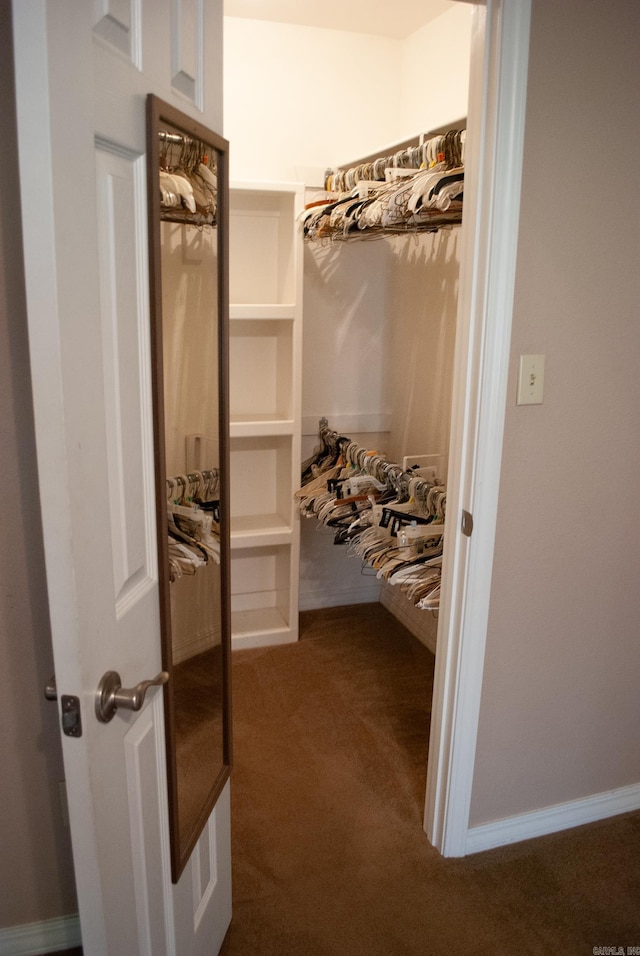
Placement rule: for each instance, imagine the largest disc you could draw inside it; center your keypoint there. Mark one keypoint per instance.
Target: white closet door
(82, 72)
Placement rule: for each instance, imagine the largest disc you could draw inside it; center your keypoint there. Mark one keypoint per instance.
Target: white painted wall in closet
(380, 321)
(380, 317)
(300, 98)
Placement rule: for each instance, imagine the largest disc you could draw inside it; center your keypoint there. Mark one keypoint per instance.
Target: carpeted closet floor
(329, 856)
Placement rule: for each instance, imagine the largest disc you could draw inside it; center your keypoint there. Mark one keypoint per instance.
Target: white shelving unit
(265, 343)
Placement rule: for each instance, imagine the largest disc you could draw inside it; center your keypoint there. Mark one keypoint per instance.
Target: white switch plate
(530, 380)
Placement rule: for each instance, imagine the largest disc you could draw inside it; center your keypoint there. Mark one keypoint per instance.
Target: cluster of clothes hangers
(415, 565)
(392, 519)
(188, 181)
(447, 148)
(417, 189)
(193, 516)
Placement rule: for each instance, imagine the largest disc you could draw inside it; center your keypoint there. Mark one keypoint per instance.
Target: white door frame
(498, 84)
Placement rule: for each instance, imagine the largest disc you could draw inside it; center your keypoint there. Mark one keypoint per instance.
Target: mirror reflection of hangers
(188, 258)
(188, 185)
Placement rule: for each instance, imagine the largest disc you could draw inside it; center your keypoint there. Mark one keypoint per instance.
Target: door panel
(186, 46)
(203, 895)
(126, 360)
(81, 83)
(118, 23)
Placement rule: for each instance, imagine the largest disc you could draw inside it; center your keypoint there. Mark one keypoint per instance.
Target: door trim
(495, 139)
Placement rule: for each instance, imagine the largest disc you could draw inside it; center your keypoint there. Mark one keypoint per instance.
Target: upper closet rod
(170, 137)
(197, 484)
(444, 145)
(177, 139)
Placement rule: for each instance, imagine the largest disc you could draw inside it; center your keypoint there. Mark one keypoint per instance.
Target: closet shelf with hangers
(418, 188)
(392, 519)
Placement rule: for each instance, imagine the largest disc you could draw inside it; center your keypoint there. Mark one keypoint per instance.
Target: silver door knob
(111, 694)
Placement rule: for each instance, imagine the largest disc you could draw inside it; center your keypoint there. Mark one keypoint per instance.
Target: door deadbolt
(71, 720)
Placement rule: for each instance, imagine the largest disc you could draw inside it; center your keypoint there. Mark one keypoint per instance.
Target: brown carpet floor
(327, 798)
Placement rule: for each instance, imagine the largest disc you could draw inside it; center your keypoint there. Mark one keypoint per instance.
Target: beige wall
(36, 873)
(330, 96)
(435, 71)
(379, 335)
(560, 706)
(304, 109)
(422, 308)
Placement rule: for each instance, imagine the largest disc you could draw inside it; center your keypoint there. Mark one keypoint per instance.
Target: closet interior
(341, 335)
(371, 261)
(368, 368)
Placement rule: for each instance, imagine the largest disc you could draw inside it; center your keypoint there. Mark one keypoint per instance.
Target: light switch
(530, 380)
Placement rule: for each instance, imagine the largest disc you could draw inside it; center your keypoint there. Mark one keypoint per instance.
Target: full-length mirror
(188, 240)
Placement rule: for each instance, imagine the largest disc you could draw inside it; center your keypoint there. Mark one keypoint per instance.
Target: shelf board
(268, 311)
(256, 531)
(260, 627)
(258, 426)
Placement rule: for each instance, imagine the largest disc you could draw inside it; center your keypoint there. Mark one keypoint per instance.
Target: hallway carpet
(330, 859)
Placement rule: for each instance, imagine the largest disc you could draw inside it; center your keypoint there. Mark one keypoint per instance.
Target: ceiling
(397, 19)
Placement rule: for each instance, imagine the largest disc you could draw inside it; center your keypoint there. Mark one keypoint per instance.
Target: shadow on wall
(379, 334)
(424, 293)
(346, 333)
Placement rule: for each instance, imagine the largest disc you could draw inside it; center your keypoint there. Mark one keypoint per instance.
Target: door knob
(110, 694)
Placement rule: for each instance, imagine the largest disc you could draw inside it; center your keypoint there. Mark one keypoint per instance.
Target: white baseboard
(562, 816)
(339, 597)
(47, 936)
(246, 642)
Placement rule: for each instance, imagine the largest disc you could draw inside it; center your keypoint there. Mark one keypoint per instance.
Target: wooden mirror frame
(159, 114)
